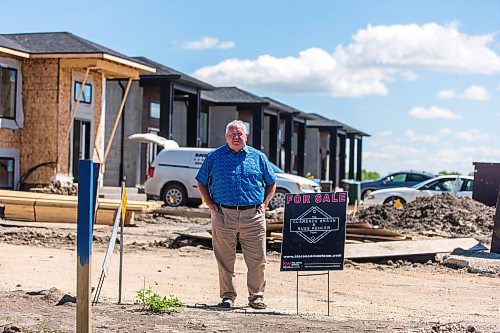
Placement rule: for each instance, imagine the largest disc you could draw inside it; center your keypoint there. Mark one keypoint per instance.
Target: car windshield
(418, 185)
(276, 169)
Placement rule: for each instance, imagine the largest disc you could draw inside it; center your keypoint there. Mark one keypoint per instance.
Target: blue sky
(421, 77)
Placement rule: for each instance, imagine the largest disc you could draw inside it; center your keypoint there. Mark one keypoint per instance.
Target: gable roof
(321, 121)
(165, 72)
(274, 104)
(231, 95)
(62, 43)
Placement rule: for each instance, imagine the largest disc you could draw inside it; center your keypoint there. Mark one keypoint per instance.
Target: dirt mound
(441, 215)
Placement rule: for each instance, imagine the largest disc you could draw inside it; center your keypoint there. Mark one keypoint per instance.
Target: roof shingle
(233, 95)
(162, 70)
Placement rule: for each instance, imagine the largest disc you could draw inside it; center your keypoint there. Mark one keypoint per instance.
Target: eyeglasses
(235, 135)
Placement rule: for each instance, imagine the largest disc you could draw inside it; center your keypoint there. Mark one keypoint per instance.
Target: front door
(81, 144)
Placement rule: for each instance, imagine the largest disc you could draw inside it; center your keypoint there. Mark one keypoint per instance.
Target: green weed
(151, 301)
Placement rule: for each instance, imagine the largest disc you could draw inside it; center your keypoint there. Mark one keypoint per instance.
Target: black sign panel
(495, 238)
(314, 232)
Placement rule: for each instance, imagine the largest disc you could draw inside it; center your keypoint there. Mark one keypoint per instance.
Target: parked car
(288, 183)
(396, 179)
(171, 177)
(455, 184)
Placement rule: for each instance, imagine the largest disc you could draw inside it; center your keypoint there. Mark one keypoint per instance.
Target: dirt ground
(40, 259)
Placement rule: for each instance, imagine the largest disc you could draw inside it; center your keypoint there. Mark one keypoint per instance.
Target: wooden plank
(56, 215)
(18, 194)
(182, 211)
(375, 238)
(277, 235)
(56, 200)
(407, 248)
(274, 226)
(69, 215)
(363, 226)
(19, 212)
(373, 232)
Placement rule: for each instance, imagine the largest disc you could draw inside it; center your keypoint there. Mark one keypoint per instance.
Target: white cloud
(432, 113)
(446, 94)
(207, 42)
(364, 67)
(313, 71)
(226, 45)
(476, 93)
(472, 135)
(429, 46)
(409, 76)
(386, 133)
(445, 131)
(413, 136)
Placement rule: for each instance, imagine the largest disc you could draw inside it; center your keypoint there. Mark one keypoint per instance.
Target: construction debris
(39, 207)
(442, 215)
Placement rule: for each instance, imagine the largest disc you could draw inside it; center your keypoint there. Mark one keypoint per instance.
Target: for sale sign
(314, 232)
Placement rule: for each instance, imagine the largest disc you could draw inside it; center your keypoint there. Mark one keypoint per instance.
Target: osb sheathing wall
(38, 137)
(47, 102)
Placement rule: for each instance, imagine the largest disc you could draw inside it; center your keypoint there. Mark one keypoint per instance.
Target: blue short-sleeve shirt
(236, 179)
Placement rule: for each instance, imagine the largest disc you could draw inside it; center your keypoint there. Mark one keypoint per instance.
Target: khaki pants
(249, 226)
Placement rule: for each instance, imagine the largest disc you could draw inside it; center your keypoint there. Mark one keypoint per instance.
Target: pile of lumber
(39, 207)
(355, 233)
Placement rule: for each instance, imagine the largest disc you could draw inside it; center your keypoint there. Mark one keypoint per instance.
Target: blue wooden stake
(86, 212)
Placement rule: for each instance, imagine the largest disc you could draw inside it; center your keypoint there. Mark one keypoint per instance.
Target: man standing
(237, 182)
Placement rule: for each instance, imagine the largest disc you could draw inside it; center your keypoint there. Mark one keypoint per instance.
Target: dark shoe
(226, 303)
(257, 303)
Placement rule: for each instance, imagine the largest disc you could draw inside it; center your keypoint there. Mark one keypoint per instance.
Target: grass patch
(153, 302)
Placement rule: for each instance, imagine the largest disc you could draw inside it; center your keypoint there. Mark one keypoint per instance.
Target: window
(6, 173)
(467, 185)
(8, 84)
(87, 92)
(443, 185)
(154, 110)
(396, 178)
(413, 177)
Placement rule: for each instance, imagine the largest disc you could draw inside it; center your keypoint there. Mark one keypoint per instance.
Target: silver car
(454, 184)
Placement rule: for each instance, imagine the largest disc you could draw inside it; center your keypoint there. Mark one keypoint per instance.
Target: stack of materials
(39, 207)
(355, 233)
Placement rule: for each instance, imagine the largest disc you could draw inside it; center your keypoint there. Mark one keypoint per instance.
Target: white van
(171, 177)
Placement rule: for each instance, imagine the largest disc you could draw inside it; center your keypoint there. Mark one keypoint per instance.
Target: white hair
(238, 124)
